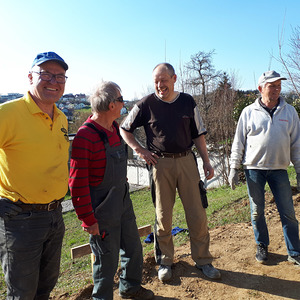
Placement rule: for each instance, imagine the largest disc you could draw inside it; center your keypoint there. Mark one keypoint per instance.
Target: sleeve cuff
(87, 222)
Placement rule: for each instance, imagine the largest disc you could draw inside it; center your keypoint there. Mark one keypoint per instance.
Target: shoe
(294, 259)
(261, 253)
(164, 273)
(209, 271)
(141, 294)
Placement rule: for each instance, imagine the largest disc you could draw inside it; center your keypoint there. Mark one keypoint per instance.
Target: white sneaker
(164, 273)
(209, 271)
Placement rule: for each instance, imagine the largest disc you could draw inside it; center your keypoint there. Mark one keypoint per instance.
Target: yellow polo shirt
(33, 152)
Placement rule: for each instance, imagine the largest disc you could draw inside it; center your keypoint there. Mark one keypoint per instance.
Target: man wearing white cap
(267, 139)
(33, 181)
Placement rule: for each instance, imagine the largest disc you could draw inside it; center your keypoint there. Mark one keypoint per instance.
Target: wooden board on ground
(85, 249)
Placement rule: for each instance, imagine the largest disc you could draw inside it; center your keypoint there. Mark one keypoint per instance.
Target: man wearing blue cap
(267, 139)
(33, 181)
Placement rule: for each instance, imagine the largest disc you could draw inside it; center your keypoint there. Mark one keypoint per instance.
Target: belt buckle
(52, 205)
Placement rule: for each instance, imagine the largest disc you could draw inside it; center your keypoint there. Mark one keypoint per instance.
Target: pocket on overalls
(100, 244)
(103, 210)
(119, 156)
(109, 211)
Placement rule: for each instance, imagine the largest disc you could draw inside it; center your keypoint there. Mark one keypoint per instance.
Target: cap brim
(275, 79)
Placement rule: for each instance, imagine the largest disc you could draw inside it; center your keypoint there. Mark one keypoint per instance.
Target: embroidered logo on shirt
(282, 120)
(64, 130)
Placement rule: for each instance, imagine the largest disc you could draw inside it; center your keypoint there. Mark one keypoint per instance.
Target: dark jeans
(30, 250)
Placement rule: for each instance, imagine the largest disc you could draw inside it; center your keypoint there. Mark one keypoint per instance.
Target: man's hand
(208, 170)
(147, 156)
(93, 229)
(298, 182)
(8, 209)
(233, 178)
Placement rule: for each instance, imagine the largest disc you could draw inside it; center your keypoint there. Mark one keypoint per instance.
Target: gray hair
(104, 94)
(168, 67)
(262, 85)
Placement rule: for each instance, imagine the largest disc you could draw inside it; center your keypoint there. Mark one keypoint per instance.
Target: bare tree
(216, 97)
(79, 118)
(201, 79)
(291, 61)
(221, 124)
(181, 79)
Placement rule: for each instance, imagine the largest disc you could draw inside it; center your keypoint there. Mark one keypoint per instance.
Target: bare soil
(233, 248)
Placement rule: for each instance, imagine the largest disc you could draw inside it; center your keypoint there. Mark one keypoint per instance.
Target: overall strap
(102, 134)
(121, 139)
(118, 130)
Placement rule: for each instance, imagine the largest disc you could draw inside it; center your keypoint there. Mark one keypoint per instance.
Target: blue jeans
(30, 250)
(280, 186)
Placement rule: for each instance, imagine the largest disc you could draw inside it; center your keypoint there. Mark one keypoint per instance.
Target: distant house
(79, 106)
(81, 98)
(124, 111)
(10, 96)
(68, 98)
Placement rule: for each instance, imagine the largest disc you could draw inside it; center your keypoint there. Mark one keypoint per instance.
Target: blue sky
(123, 40)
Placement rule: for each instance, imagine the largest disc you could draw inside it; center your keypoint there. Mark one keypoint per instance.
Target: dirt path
(234, 248)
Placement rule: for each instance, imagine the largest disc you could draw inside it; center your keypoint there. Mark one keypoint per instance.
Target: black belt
(40, 207)
(173, 155)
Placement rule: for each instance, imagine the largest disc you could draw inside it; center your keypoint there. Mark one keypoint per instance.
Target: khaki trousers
(167, 175)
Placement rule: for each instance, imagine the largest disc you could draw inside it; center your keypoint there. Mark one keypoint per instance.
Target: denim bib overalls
(118, 230)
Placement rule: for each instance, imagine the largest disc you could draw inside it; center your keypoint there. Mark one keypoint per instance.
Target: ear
(111, 106)
(175, 78)
(30, 78)
(259, 88)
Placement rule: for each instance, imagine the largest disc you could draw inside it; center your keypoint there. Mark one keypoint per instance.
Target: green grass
(225, 206)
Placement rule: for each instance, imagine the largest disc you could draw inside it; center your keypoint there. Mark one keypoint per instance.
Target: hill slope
(234, 248)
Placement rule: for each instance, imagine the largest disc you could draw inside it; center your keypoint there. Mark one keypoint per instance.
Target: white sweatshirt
(265, 142)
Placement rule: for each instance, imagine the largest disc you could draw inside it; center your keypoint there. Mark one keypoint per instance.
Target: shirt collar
(34, 109)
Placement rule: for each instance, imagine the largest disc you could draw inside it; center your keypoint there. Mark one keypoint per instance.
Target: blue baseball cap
(47, 56)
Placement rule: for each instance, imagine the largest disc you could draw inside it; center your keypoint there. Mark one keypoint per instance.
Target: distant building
(10, 96)
(79, 106)
(124, 111)
(68, 98)
(82, 98)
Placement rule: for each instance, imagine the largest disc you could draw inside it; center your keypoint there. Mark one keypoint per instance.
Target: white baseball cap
(269, 76)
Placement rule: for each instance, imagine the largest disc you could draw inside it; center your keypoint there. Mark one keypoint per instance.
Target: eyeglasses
(48, 77)
(120, 99)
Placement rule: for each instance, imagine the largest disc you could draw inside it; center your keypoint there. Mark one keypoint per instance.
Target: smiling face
(164, 83)
(46, 92)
